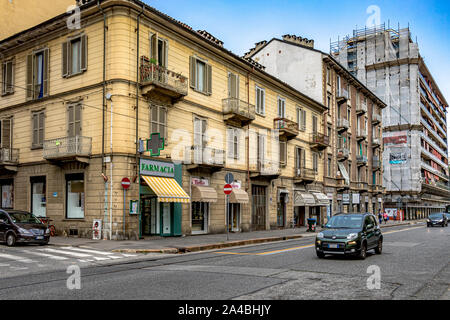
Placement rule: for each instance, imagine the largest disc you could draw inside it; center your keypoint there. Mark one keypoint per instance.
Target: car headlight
(47, 231)
(25, 232)
(441, 220)
(320, 235)
(352, 236)
(428, 220)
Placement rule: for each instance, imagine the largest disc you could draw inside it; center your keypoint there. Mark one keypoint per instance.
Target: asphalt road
(414, 265)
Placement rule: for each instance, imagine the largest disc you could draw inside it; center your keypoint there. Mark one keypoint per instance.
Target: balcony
(287, 128)
(427, 154)
(159, 81)
(376, 118)
(342, 124)
(376, 163)
(319, 141)
(237, 112)
(361, 134)
(376, 142)
(304, 175)
(343, 153)
(342, 184)
(361, 160)
(433, 132)
(68, 149)
(361, 108)
(9, 159)
(265, 169)
(341, 96)
(204, 158)
(363, 186)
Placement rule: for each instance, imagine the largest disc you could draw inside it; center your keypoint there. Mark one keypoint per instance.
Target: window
(329, 133)
(338, 85)
(283, 153)
(315, 162)
(329, 103)
(158, 121)
(329, 166)
(300, 159)
(328, 76)
(74, 56)
(38, 129)
(7, 77)
(233, 138)
(159, 49)
(260, 101)
(37, 74)
(201, 76)
(7, 190)
(281, 107)
(350, 171)
(6, 136)
(74, 117)
(314, 123)
(301, 119)
(233, 85)
(75, 196)
(200, 139)
(38, 196)
(261, 138)
(349, 116)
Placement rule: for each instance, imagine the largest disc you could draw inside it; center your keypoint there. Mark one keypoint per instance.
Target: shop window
(7, 189)
(38, 196)
(200, 212)
(75, 196)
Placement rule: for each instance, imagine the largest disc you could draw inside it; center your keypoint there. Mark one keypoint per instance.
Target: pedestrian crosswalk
(27, 258)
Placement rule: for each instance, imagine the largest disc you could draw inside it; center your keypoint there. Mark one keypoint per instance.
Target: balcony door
(200, 139)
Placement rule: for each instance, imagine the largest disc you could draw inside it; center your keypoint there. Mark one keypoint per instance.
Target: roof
(263, 44)
(202, 35)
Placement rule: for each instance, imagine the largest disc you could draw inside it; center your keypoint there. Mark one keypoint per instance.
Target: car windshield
(436, 216)
(23, 217)
(347, 222)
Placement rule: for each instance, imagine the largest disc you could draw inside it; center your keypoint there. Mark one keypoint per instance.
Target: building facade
(135, 94)
(352, 158)
(388, 62)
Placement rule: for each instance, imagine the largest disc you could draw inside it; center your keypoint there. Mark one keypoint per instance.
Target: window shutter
(30, 82)
(166, 53)
(233, 85)
(46, 71)
(41, 128)
(237, 134)
(84, 53)
(9, 77)
(78, 120)
(70, 128)
(208, 79)
(314, 124)
(6, 133)
(197, 132)
(154, 47)
(65, 59)
(192, 80)
(283, 152)
(35, 129)
(4, 78)
(230, 141)
(304, 119)
(303, 153)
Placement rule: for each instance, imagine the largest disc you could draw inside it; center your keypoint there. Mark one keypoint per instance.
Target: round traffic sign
(126, 183)
(229, 178)
(228, 189)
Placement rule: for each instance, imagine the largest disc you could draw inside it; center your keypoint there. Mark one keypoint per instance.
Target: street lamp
(109, 98)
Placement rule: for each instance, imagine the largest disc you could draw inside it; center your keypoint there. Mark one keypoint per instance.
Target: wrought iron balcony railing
(319, 141)
(361, 160)
(67, 147)
(287, 127)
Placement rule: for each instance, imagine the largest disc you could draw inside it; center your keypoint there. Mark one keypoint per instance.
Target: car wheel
(10, 240)
(379, 247)
(320, 255)
(363, 251)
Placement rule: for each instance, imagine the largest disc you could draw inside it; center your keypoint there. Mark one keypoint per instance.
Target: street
(414, 265)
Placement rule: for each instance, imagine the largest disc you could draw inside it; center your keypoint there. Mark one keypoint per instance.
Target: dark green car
(350, 234)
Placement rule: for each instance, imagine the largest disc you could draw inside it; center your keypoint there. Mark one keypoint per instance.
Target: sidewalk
(197, 242)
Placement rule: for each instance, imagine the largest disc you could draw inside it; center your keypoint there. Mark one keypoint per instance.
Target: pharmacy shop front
(161, 198)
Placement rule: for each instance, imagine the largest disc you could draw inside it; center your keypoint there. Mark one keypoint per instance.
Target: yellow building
(19, 15)
(79, 106)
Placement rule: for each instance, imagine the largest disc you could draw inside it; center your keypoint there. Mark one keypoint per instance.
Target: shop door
(281, 212)
(150, 216)
(234, 210)
(259, 205)
(299, 216)
(200, 212)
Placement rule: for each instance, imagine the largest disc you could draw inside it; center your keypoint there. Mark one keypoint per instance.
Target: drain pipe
(138, 157)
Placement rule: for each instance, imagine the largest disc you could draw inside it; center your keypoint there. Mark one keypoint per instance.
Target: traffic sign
(229, 178)
(228, 189)
(126, 183)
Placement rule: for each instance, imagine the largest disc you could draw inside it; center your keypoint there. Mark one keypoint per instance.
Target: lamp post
(109, 98)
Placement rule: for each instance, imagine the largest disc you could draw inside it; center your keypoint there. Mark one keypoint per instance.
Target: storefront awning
(203, 194)
(238, 196)
(167, 189)
(303, 198)
(322, 199)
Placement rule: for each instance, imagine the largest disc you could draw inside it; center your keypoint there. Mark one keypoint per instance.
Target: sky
(240, 24)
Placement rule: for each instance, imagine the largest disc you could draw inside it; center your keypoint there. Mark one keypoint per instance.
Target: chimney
(299, 40)
(258, 46)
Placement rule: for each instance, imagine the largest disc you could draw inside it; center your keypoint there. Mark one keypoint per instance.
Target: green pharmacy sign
(155, 144)
(157, 168)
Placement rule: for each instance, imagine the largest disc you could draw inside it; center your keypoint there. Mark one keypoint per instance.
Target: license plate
(39, 237)
(333, 246)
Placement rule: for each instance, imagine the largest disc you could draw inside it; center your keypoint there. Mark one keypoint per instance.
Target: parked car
(437, 219)
(350, 234)
(22, 227)
(448, 216)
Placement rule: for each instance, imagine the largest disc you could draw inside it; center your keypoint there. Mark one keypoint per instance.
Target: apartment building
(135, 93)
(415, 157)
(352, 156)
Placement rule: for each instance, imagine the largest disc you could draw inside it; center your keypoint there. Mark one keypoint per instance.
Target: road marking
(75, 254)
(389, 232)
(16, 258)
(87, 250)
(267, 252)
(50, 256)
